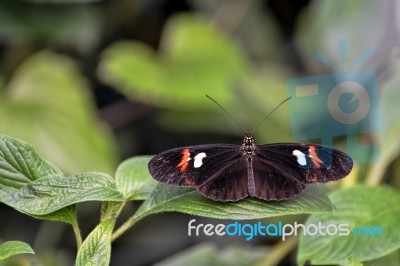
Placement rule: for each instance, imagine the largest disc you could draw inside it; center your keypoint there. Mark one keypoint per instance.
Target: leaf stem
(112, 210)
(125, 226)
(120, 209)
(78, 236)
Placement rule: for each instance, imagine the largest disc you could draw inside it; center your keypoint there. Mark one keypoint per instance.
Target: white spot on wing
(198, 159)
(301, 158)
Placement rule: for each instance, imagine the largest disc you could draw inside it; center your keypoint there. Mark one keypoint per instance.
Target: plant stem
(112, 210)
(376, 173)
(78, 236)
(125, 226)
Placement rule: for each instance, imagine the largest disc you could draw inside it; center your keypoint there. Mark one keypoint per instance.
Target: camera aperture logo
(337, 104)
(279, 229)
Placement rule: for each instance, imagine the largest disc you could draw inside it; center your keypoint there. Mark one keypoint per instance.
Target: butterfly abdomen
(251, 185)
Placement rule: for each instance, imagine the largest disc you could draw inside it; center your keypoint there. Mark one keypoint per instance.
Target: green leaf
(20, 165)
(133, 179)
(66, 215)
(357, 206)
(48, 104)
(96, 249)
(11, 248)
(49, 194)
(182, 72)
(187, 200)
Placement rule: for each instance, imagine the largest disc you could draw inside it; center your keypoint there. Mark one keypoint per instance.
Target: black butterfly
(226, 172)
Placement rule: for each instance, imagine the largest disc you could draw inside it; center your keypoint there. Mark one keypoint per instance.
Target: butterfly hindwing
(228, 184)
(272, 181)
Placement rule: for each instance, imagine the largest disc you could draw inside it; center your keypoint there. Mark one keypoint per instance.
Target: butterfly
(227, 172)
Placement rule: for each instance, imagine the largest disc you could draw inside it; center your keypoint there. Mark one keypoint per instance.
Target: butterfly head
(248, 144)
(248, 139)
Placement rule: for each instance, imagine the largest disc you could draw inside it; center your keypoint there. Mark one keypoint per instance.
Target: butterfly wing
(228, 184)
(283, 170)
(218, 171)
(273, 182)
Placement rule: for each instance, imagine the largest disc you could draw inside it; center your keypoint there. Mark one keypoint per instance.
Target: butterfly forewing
(193, 165)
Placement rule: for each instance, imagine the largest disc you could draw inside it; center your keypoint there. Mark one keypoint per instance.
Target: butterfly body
(227, 172)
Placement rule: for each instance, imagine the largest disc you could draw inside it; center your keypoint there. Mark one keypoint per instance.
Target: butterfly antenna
(265, 118)
(228, 114)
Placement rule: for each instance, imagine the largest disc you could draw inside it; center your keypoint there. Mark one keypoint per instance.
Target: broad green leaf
(187, 200)
(20, 165)
(96, 249)
(210, 254)
(48, 104)
(357, 206)
(11, 248)
(133, 179)
(66, 215)
(49, 194)
(182, 72)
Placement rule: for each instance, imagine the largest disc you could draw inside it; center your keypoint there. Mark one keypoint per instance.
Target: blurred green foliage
(389, 138)
(365, 24)
(24, 25)
(232, 51)
(48, 104)
(193, 60)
